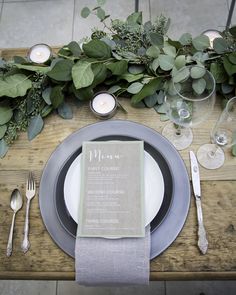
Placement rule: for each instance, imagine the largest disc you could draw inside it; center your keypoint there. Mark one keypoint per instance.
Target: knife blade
(202, 238)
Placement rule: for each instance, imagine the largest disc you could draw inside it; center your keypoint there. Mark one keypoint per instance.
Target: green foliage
(82, 74)
(126, 57)
(14, 85)
(35, 127)
(61, 70)
(5, 114)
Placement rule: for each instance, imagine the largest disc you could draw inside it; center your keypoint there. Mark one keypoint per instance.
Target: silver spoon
(16, 204)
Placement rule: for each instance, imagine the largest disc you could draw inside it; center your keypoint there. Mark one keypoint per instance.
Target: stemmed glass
(188, 103)
(223, 135)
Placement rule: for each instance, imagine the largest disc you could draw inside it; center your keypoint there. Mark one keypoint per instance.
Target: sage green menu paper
(112, 189)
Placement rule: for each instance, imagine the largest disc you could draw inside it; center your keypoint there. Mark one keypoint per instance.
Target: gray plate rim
(170, 227)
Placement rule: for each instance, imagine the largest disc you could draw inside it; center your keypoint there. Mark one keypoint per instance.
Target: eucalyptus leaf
(180, 62)
(135, 87)
(74, 48)
(85, 12)
(220, 45)
(174, 43)
(97, 48)
(56, 96)
(141, 51)
(100, 74)
(65, 111)
(35, 127)
(218, 72)
(135, 18)
(156, 39)
(147, 90)
(114, 89)
(164, 118)
(181, 75)
(229, 67)
(82, 74)
(6, 114)
(199, 85)
(39, 69)
(155, 64)
(3, 129)
(160, 97)
(46, 95)
(226, 88)
(14, 85)
(166, 62)
(46, 110)
(3, 148)
(151, 100)
(185, 39)
(169, 50)
(83, 94)
(153, 51)
(61, 70)
(131, 78)
(197, 72)
(118, 68)
(109, 42)
(161, 109)
(136, 69)
(101, 13)
(232, 58)
(19, 60)
(201, 42)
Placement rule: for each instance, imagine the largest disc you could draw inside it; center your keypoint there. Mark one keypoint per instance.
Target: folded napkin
(107, 262)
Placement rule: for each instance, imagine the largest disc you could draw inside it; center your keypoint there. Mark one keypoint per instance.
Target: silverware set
(16, 203)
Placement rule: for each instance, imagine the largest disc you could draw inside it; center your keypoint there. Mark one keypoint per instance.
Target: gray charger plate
(172, 216)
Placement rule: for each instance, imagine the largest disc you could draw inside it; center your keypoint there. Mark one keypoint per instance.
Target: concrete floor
(56, 22)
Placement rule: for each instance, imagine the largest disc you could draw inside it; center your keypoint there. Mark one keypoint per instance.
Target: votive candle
(39, 53)
(103, 105)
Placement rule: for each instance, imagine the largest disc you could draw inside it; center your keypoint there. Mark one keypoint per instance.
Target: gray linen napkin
(116, 262)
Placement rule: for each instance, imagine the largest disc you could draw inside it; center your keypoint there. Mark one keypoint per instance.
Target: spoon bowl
(16, 200)
(16, 203)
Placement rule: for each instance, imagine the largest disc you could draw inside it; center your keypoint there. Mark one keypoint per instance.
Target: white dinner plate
(153, 182)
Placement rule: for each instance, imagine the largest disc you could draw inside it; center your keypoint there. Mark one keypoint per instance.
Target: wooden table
(181, 261)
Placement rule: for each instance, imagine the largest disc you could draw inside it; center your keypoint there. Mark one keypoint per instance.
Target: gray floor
(56, 22)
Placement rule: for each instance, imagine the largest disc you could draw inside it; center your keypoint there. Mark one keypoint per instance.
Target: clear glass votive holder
(104, 105)
(39, 53)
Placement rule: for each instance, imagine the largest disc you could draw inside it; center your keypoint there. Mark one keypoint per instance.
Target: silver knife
(202, 239)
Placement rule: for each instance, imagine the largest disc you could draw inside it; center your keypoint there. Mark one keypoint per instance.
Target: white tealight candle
(39, 53)
(212, 35)
(104, 105)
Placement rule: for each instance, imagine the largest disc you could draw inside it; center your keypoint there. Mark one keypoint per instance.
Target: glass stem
(211, 154)
(178, 130)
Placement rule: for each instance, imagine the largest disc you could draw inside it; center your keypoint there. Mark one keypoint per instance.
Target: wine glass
(223, 135)
(188, 103)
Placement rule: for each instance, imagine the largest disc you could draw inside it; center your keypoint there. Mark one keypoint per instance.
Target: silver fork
(30, 193)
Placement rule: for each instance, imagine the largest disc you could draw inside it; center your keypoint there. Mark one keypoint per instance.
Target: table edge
(154, 276)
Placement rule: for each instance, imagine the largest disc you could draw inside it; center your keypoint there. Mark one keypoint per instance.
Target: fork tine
(30, 181)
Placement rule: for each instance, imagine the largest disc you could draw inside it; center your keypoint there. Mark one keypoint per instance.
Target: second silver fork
(30, 193)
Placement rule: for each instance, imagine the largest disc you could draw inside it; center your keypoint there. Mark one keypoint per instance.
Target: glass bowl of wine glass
(188, 103)
(223, 136)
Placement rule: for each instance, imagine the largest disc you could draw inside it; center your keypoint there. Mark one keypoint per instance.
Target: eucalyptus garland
(127, 58)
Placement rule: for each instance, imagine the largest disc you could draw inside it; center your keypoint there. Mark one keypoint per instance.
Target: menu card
(112, 189)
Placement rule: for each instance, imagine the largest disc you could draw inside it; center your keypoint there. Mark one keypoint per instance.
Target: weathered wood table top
(181, 261)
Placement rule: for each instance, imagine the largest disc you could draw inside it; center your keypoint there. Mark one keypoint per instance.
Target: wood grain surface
(181, 261)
